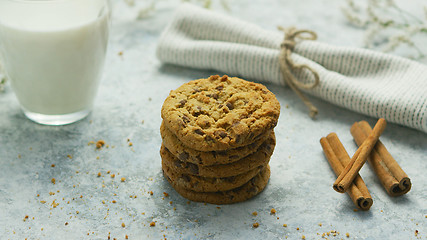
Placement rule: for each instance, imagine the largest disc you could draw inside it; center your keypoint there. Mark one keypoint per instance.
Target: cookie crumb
(297, 228)
(53, 165)
(130, 144)
(99, 174)
(347, 234)
(43, 202)
(113, 175)
(273, 211)
(152, 224)
(123, 225)
(150, 192)
(123, 179)
(53, 180)
(320, 224)
(302, 237)
(224, 78)
(416, 233)
(255, 213)
(285, 225)
(126, 237)
(166, 194)
(66, 223)
(214, 77)
(114, 201)
(100, 144)
(255, 225)
(69, 156)
(54, 204)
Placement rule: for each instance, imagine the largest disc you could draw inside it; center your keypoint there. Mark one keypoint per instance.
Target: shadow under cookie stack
(218, 139)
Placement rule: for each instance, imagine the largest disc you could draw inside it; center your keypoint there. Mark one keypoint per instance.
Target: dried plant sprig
(2, 83)
(208, 3)
(147, 11)
(130, 2)
(3, 78)
(386, 25)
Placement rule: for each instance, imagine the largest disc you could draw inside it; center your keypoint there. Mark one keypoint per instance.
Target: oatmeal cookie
(240, 194)
(209, 184)
(260, 158)
(219, 113)
(183, 153)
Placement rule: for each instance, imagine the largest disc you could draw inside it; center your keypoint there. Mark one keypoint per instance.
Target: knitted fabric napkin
(368, 82)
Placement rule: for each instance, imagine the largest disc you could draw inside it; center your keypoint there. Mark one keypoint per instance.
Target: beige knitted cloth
(368, 82)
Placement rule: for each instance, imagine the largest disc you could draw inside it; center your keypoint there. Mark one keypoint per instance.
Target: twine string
(287, 65)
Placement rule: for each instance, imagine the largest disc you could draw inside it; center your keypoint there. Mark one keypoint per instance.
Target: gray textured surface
(128, 107)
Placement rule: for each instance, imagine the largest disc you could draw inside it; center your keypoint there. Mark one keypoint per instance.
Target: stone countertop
(83, 205)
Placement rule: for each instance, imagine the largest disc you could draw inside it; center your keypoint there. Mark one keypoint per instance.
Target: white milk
(54, 65)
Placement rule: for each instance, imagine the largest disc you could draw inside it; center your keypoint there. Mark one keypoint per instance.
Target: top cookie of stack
(220, 113)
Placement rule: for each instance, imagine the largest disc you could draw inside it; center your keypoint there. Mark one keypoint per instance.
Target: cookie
(219, 113)
(207, 184)
(184, 153)
(260, 158)
(240, 194)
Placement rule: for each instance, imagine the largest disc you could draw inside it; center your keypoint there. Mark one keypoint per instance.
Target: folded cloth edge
(194, 36)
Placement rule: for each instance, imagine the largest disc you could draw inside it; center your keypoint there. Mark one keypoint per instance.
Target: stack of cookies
(218, 139)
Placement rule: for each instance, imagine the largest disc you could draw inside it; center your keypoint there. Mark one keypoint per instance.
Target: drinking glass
(53, 53)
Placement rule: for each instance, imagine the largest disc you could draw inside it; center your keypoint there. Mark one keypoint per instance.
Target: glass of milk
(53, 53)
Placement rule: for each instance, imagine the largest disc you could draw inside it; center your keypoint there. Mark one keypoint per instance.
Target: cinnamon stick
(338, 158)
(391, 175)
(347, 176)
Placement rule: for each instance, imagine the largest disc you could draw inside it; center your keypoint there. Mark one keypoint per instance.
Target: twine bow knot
(287, 64)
